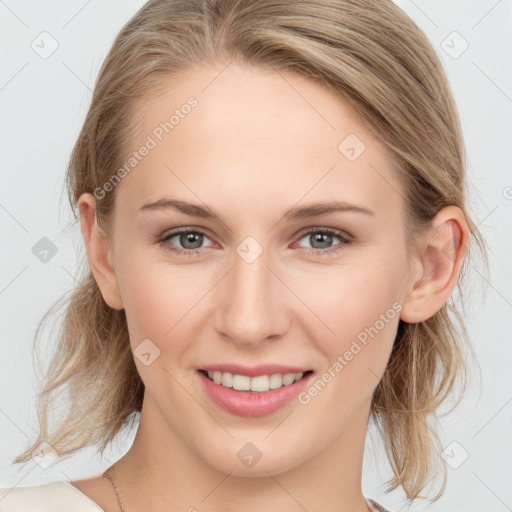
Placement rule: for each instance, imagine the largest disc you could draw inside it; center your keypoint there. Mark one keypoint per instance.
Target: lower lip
(252, 403)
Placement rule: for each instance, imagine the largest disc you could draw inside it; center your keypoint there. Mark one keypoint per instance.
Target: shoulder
(57, 496)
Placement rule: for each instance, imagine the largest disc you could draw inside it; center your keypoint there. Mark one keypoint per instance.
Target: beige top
(62, 496)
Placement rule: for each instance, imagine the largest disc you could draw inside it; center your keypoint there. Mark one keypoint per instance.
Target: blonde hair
(376, 58)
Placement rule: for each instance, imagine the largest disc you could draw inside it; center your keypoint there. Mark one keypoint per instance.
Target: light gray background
(44, 101)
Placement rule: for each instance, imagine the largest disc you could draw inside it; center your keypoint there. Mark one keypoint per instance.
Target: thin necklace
(108, 474)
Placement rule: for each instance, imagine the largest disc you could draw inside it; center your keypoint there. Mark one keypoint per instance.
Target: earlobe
(98, 252)
(440, 258)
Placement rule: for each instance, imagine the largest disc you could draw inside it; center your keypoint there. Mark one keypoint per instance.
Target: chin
(249, 459)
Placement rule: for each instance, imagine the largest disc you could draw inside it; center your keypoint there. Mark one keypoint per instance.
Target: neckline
(79, 492)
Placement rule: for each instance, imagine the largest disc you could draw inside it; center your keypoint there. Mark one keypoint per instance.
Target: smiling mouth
(259, 384)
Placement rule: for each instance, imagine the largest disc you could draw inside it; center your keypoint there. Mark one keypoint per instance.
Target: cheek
(159, 304)
(359, 308)
(157, 298)
(355, 294)
(362, 312)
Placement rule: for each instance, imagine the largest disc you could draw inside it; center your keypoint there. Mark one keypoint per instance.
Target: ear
(98, 252)
(438, 263)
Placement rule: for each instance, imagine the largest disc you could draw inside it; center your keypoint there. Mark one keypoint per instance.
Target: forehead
(255, 133)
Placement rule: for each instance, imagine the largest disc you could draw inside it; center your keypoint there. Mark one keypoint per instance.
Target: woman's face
(252, 285)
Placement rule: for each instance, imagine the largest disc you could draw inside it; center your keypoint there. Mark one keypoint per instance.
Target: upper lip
(254, 371)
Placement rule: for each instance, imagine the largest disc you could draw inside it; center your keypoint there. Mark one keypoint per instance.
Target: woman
(272, 200)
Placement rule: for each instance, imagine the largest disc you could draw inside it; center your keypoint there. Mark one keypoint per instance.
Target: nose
(252, 303)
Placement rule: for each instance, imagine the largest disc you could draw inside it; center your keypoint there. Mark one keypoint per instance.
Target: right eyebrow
(192, 209)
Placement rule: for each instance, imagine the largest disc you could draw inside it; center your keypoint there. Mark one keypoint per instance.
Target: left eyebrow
(296, 213)
(317, 209)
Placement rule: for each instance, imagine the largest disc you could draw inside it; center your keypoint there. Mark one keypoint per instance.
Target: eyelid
(186, 229)
(335, 231)
(170, 233)
(345, 238)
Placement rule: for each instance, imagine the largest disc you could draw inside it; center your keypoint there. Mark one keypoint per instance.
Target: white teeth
(288, 378)
(227, 380)
(260, 384)
(241, 383)
(275, 381)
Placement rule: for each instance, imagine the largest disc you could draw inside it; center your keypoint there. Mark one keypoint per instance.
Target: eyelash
(345, 240)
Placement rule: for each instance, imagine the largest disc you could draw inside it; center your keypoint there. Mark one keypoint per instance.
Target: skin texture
(257, 144)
